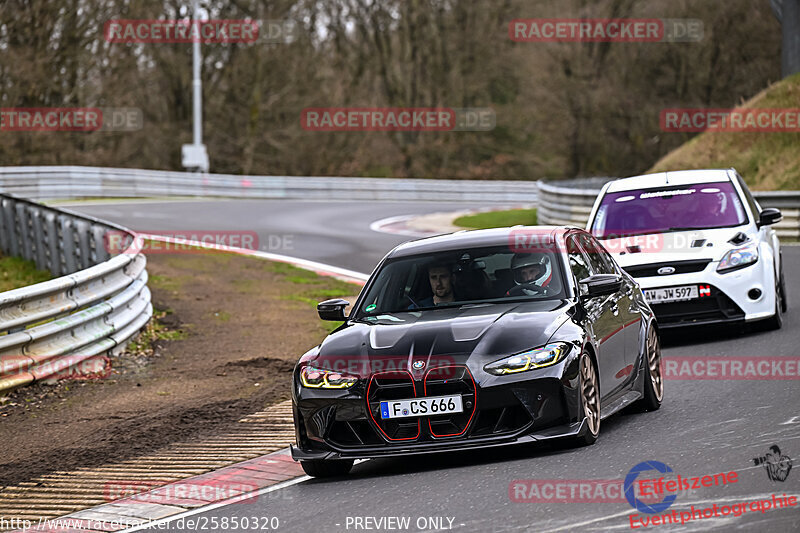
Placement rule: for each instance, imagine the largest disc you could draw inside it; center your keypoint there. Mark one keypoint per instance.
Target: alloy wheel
(654, 364)
(589, 394)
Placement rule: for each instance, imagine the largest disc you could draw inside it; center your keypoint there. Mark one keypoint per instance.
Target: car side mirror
(601, 285)
(769, 216)
(332, 309)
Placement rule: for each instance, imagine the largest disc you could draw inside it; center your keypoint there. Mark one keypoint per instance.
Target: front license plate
(428, 406)
(671, 294)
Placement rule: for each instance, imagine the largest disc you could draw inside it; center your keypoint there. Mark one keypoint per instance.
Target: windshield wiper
(684, 228)
(477, 304)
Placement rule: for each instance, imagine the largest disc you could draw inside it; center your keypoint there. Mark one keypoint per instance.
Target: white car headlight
(738, 258)
(529, 360)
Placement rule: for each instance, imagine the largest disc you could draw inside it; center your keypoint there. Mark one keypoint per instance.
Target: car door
(629, 312)
(604, 321)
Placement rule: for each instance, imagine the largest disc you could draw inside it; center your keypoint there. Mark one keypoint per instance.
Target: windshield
(665, 209)
(467, 276)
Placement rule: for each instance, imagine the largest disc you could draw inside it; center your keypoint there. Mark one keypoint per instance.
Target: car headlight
(547, 355)
(317, 378)
(738, 258)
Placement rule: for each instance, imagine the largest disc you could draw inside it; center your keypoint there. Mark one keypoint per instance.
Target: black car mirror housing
(333, 309)
(769, 216)
(601, 285)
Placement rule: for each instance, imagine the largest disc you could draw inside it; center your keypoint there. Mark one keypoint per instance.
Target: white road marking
(229, 501)
(379, 226)
(303, 263)
(236, 499)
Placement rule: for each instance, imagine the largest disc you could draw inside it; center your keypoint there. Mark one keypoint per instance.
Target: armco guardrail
(568, 203)
(83, 182)
(97, 305)
(571, 202)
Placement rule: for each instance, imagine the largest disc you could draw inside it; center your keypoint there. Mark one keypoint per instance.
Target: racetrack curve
(336, 233)
(704, 427)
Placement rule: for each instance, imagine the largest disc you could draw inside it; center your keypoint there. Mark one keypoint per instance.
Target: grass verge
(498, 219)
(311, 288)
(16, 273)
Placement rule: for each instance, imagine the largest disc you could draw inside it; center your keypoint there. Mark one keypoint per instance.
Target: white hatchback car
(698, 243)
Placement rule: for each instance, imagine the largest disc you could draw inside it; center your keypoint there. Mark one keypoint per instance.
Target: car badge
(418, 365)
(663, 271)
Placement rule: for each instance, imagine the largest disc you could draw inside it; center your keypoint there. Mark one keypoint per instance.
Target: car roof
(475, 239)
(665, 179)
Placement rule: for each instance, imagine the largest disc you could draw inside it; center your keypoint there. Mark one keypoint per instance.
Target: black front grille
(681, 267)
(353, 433)
(500, 420)
(717, 306)
(385, 386)
(448, 380)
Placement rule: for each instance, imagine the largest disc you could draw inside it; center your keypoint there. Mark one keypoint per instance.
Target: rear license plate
(671, 294)
(428, 406)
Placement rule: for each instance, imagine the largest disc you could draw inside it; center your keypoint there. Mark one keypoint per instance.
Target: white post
(194, 155)
(197, 84)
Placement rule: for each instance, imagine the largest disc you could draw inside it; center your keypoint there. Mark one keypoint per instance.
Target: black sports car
(477, 339)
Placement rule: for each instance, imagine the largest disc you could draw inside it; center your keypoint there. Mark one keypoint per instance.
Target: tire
(653, 388)
(590, 399)
(784, 299)
(776, 321)
(320, 468)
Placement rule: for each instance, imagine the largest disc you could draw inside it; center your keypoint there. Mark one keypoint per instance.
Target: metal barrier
(84, 182)
(571, 202)
(97, 305)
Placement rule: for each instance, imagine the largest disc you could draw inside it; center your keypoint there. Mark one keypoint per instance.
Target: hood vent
(739, 238)
(698, 243)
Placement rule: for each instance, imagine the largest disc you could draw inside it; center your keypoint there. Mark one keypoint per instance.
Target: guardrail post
(70, 263)
(23, 230)
(5, 232)
(50, 230)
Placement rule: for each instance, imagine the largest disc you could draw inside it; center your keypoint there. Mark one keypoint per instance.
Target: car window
(670, 208)
(577, 261)
(599, 259)
(458, 277)
(748, 196)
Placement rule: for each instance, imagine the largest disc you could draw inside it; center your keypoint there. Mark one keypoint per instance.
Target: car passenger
(532, 274)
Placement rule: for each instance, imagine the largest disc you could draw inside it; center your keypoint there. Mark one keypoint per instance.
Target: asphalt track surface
(335, 233)
(704, 427)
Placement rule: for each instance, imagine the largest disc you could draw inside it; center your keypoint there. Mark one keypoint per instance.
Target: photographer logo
(777, 465)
